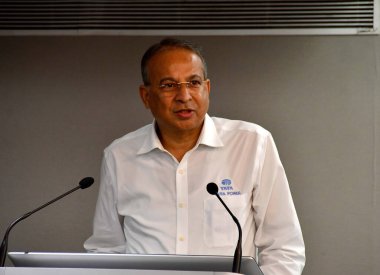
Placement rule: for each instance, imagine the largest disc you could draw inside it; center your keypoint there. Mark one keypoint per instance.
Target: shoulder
(131, 140)
(224, 125)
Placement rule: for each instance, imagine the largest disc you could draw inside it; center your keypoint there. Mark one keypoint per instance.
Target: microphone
(83, 184)
(212, 188)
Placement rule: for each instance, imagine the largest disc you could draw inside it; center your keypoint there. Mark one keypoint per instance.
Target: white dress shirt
(150, 203)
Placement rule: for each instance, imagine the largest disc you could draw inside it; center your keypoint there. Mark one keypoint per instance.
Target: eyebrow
(174, 80)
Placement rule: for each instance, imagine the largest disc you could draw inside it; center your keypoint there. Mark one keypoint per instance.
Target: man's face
(181, 109)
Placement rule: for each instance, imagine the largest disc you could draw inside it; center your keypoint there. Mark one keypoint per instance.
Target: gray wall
(63, 99)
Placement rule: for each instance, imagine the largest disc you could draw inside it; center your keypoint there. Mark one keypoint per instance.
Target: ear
(144, 95)
(208, 86)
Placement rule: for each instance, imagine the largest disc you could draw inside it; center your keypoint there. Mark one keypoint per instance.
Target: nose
(183, 93)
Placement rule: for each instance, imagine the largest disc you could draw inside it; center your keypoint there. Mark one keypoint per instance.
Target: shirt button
(181, 205)
(181, 171)
(181, 238)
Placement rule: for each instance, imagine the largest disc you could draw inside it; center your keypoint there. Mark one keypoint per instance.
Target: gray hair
(165, 44)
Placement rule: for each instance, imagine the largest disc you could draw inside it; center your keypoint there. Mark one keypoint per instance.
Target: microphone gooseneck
(84, 183)
(212, 188)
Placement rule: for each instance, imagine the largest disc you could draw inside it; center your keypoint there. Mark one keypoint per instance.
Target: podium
(86, 271)
(44, 263)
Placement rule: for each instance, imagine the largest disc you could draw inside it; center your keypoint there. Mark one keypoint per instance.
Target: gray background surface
(64, 98)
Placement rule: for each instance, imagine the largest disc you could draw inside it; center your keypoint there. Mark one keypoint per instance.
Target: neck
(178, 143)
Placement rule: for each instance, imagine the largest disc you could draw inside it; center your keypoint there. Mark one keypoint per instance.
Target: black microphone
(212, 188)
(83, 184)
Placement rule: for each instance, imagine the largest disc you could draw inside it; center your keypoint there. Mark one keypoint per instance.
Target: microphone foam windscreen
(86, 182)
(212, 188)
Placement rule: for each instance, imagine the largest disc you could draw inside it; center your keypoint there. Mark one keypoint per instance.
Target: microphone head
(86, 182)
(212, 188)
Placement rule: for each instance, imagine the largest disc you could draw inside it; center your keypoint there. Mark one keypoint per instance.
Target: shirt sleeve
(108, 235)
(279, 240)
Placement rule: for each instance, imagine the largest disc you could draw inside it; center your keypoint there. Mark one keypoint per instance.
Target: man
(153, 197)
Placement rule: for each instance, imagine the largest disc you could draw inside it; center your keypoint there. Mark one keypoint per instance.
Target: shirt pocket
(219, 228)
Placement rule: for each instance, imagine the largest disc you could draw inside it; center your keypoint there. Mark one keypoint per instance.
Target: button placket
(182, 210)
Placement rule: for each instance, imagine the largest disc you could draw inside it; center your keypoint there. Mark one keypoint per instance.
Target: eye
(195, 83)
(169, 85)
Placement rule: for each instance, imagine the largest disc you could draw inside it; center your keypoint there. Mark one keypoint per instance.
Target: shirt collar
(209, 137)
(151, 140)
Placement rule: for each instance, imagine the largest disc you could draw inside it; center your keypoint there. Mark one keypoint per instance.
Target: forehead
(175, 61)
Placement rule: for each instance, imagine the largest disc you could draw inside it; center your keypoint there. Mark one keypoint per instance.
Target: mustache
(184, 108)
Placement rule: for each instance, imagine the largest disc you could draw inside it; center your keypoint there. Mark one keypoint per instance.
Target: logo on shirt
(226, 182)
(226, 188)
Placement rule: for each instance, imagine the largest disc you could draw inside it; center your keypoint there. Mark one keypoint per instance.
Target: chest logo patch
(226, 188)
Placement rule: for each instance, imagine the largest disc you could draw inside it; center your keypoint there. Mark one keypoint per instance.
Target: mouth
(184, 113)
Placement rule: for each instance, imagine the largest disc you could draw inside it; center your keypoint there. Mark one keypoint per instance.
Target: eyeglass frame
(178, 84)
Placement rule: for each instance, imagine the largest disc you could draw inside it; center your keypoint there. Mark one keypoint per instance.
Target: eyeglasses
(175, 86)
